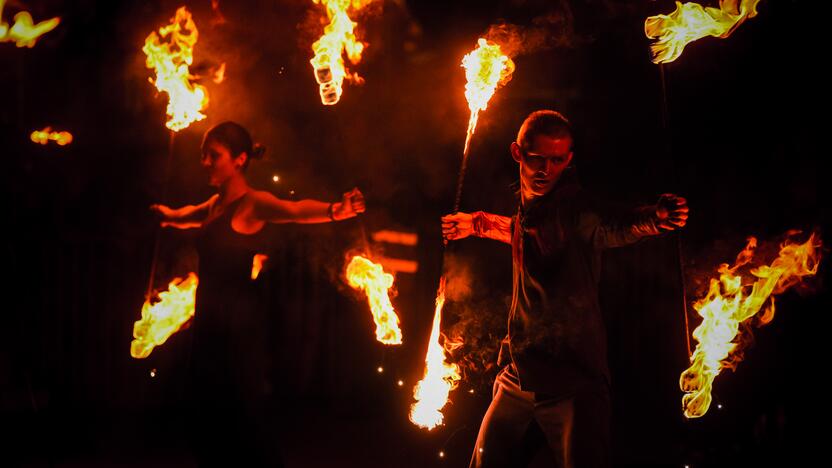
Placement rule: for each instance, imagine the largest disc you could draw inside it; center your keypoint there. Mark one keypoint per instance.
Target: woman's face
(218, 162)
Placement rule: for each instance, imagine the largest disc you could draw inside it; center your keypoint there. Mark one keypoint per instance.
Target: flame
(431, 393)
(690, 21)
(219, 75)
(257, 265)
(170, 53)
(731, 301)
(369, 276)
(162, 319)
(24, 33)
(338, 36)
(486, 69)
(44, 136)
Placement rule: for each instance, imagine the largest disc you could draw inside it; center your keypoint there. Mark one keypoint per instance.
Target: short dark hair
(236, 138)
(543, 122)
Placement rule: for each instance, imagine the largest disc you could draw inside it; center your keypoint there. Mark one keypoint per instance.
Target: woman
(229, 382)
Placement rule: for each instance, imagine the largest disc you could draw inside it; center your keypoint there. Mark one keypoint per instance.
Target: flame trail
(257, 263)
(731, 301)
(369, 276)
(431, 393)
(486, 69)
(338, 36)
(162, 319)
(46, 135)
(24, 33)
(170, 53)
(690, 22)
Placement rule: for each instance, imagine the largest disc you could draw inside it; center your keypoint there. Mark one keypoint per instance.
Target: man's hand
(457, 226)
(352, 203)
(672, 212)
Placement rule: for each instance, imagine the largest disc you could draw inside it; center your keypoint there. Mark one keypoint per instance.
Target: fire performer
(555, 379)
(229, 384)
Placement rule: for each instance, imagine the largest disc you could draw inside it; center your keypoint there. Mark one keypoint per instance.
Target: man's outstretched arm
(479, 223)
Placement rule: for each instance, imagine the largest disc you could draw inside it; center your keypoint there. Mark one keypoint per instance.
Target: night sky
(733, 125)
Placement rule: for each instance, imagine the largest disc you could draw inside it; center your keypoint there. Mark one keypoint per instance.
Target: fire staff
(555, 378)
(228, 379)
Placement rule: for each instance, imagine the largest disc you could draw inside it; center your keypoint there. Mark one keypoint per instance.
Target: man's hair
(543, 122)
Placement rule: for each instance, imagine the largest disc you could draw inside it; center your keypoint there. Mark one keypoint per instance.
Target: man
(555, 386)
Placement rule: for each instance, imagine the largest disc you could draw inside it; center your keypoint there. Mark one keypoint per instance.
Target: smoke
(476, 321)
(554, 28)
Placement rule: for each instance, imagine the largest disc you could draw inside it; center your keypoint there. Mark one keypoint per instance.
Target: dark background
(740, 139)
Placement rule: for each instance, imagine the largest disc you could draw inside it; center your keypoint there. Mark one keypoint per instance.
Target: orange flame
(731, 301)
(170, 53)
(690, 22)
(369, 276)
(24, 33)
(431, 393)
(46, 135)
(162, 319)
(486, 69)
(338, 36)
(257, 265)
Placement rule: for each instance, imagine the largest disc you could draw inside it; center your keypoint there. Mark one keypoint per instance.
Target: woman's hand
(457, 226)
(351, 205)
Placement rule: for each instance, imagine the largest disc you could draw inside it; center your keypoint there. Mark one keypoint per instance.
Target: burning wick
(152, 373)
(46, 135)
(275, 178)
(400, 383)
(441, 454)
(471, 391)
(338, 37)
(380, 369)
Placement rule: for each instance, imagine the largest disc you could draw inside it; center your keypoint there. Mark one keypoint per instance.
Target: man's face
(542, 164)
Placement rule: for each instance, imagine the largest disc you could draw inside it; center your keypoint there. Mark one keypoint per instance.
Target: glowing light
(46, 135)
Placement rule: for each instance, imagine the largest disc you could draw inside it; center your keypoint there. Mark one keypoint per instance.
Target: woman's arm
(271, 209)
(186, 217)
